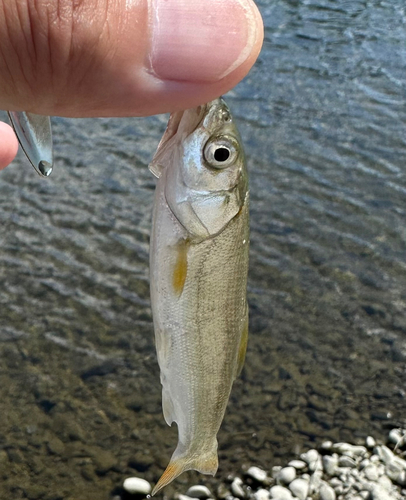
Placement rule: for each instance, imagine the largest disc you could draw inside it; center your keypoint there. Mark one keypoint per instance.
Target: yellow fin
(243, 345)
(180, 270)
(174, 469)
(207, 463)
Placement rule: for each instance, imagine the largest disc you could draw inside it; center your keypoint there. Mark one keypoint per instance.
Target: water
(323, 117)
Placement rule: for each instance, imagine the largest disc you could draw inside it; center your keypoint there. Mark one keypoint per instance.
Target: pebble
(280, 493)
(298, 464)
(199, 491)
(299, 487)
(326, 445)
(137, 486)
(379, 493)
(327, 492)
(385, 482)
(286, 475)
(275, 470)
(346, 461)
(342, 471)
(310, 456)
(330, 463)
(236, 488)
(261, 494)
(371, 472)
(397, 437)
(258, 474)
(184, 497)
(370, 442)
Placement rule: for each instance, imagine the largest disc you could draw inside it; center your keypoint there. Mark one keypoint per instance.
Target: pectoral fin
(180, 269)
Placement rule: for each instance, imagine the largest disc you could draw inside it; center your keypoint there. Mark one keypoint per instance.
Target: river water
(323, 117)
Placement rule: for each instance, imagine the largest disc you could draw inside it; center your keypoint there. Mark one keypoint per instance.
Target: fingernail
(200, 41)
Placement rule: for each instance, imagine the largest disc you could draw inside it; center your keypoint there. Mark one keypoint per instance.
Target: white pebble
(370, 442)
(236, 488)
(281, 493)
(275, 470)
(327, 445)
(298, 464)
(371, 472)
(396, 436)
(199, 491)
(315, 481)
(286, 475)
(137, 486)
(327, 492)
(402, 478)
(385, 454)
(258, 474)
(310, 456)
(379, 493)
(346, 461)
(385, 482)
(184, 497)
(299, 487)
(330, 463)
(364, 494)
(261, 494)
(400, 462)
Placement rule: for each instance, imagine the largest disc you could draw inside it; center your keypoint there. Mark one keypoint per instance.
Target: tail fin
(206, 463)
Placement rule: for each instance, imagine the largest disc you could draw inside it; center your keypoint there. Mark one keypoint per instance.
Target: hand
(121, 57)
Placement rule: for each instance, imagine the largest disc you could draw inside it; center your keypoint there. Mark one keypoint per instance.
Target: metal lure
(35, 137)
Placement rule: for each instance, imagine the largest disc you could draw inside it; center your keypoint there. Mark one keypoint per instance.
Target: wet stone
(299, 487)
(104, 461)
(280, 493)
(286, 475)
(137, 486)
(330, 463)
(261, 494)
(223, 491)
(15, 456)
(141, 462)
(236, 488)
(370, 442)
(258, 474)
(199, 491)
(55, 446)
(327, 492)
(298, 464)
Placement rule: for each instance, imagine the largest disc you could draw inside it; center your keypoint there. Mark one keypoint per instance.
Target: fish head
(202, 155)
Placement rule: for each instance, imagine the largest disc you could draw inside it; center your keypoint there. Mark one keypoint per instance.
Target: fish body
(199, 265)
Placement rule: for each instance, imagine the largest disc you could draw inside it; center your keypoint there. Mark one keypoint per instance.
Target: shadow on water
(323, 116)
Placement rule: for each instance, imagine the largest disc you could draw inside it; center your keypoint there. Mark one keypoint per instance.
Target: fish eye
(220, 153)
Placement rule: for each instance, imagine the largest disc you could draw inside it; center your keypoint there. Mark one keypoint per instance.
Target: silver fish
(35, 137)
(199, 265)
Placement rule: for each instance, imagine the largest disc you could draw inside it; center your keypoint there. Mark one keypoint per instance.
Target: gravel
(334, 471)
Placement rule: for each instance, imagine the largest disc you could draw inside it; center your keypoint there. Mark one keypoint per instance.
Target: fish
(198, 273)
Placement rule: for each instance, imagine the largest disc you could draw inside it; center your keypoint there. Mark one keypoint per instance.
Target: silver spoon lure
(35, 137)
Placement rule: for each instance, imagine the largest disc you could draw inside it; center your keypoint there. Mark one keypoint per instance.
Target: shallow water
(323, 118)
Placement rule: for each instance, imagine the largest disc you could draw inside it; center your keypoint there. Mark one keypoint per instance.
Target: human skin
(88, 58)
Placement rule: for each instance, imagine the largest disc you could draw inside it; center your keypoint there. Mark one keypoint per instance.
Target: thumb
(123, 57)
